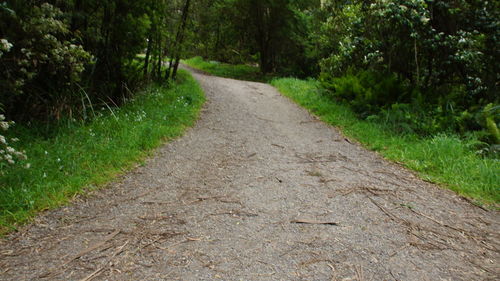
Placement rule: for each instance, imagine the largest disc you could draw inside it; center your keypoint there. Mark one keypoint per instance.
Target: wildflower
(4, 125)
(424, 19)
(5, 45)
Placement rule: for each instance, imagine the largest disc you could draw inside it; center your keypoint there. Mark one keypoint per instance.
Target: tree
(177, 44)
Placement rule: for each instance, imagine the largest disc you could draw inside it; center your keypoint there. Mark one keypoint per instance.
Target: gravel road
(259, 190)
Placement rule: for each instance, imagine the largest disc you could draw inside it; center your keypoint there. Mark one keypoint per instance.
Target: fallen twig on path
(82, 253)
(106, 264)
(306, 221)
(359, 273)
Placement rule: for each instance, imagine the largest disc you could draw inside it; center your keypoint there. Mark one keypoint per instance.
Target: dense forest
(428, 66)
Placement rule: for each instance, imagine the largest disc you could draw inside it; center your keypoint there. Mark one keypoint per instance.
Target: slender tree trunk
(178, 42)
(176, 65)
(160, 61)
(148, 52)
(416, 62)
(262, 37)
(170, 65)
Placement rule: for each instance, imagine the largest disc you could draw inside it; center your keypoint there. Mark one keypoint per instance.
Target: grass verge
(240, 71)
(77, 157)
(443, 159)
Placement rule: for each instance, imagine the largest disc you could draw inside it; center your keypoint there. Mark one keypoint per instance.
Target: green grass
(443, 159)
(240, 71)
(76, 157)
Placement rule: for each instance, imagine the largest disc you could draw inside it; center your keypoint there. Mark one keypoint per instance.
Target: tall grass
(72, 156)
(444, 159)
(240, 71)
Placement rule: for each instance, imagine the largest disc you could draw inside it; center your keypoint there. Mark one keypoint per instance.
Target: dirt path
(226, 202)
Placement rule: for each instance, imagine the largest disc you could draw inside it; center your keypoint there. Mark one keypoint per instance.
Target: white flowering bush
(5, 46)
(8, 154)
(443, 54)
(38, 64)
(430, 44)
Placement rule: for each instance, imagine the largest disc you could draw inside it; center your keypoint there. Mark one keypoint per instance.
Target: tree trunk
(176, 52)
(176, 65)
(160, 60)
(148, 52)
(262, 37)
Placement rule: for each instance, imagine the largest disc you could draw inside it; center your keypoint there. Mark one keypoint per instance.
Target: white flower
(5, 45)
(3, 140)
(424, 19)
(4, 125)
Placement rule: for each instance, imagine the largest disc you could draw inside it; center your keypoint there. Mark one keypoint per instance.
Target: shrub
(366, 91)
(8, 154)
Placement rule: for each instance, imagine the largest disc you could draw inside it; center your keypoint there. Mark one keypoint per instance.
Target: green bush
(386, 99)
(366, 91)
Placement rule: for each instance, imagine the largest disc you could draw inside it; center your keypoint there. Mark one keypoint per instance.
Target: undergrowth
(71, 156)
(441, 158)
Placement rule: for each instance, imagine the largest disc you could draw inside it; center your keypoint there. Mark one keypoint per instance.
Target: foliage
(8, 154)
(366, 91)
(37, 59)
(439, 46)
(59, 57)
(72, 155)
(273, 33)
(443, 158)
(435, 56)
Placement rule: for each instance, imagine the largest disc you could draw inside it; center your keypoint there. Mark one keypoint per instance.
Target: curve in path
(259, 190)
